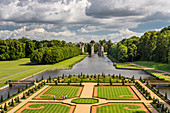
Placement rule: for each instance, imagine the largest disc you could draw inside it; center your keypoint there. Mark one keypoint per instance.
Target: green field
(155, 65)
(58, 91)
(85, 101)
(126, 65)
(10, 67)
(48, 108)
(119, 108)
(114, 92)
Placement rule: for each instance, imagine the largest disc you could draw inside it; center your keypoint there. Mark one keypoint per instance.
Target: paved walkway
(88, 93)
(26, 100)
(87, 90)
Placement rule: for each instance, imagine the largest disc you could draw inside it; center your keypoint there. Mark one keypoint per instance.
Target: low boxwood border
(44, 102)
(59, 85)
(121, 102)
(85, 103)
(115, 99)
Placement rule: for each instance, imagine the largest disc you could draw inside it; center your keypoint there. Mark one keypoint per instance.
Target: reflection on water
(95, 65)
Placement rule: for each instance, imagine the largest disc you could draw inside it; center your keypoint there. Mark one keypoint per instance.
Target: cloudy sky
(81, 20)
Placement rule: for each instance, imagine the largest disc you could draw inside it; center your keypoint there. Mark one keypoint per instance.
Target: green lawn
(85, 101)
(158, 75)
(119, 108)
(9, 67)
(58, 91)
(48, 108)
(126, 65)
(114, 92)
(156, 65)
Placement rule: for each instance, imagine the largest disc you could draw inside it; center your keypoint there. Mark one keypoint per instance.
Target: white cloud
(49, 19)
(42, 34)
(123, 33)
(37, 33)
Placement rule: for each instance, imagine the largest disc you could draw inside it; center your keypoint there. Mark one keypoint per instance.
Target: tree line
(48, 55)
(151, 46)
(38, 51)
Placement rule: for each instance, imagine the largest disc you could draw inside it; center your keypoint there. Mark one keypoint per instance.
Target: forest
(151, 46)
(39, 52)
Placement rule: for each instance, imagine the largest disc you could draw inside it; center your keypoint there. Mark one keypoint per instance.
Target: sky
(81, 20)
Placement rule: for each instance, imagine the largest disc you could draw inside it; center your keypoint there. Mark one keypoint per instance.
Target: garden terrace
(46, 107)
(120, 108)
(115, 92)
(58, 91)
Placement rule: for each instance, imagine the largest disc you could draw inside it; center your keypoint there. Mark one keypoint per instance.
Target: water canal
(91, 65)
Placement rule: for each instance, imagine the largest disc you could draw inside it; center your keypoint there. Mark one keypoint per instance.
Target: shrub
(123, 82)
(158, 105)
(12, 102)
(56, 83)
(69, 76)
(95, 76)
(28, 93)
(19, 90)
(110, 81)
(140, 78)
(5, 107)
(17, 100)
(68, 82)
(9, 103)
(2, 99)
(37, 80)
(113, 76)
(9, 94)
(49, 79)
(162, 108)
(63, 76)
(154, 101)
(42, 78)
(166, 97)
(133, 78)
(120, 76)
(24, 97)
(98, 82)
(26, 86)
(80, 83)
(150, 98)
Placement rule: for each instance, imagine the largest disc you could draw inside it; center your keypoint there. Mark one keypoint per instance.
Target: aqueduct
(100, 47)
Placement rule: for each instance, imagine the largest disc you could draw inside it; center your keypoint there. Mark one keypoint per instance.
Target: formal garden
(110, 93)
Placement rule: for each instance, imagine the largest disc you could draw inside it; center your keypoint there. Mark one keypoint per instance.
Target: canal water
(90, 65)
(94, 65)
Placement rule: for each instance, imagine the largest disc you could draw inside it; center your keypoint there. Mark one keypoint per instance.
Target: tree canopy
(151, 46)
